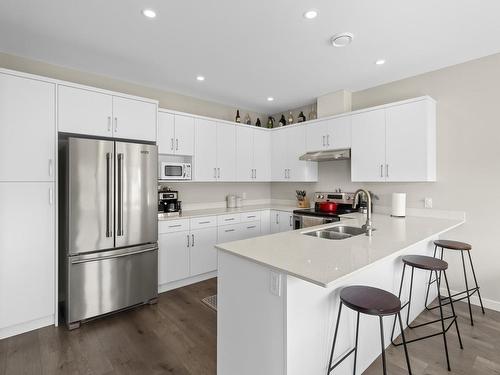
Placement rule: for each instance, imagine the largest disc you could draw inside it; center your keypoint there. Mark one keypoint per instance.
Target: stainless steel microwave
(175, 171)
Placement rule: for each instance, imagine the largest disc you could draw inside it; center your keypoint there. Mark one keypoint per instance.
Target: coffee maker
(168, 203)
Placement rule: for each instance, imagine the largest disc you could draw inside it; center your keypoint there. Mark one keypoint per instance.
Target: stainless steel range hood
(325, 155)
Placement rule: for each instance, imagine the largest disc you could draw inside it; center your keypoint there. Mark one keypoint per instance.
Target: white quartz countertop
(224, 211)
(323, 261)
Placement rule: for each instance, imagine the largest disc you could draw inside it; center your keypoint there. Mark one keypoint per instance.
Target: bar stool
(370, 301)
(435, 265)
(457, 246)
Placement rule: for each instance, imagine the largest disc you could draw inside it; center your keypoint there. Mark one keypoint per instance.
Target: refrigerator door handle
(109, 179)
(119, 231)
(115, 254)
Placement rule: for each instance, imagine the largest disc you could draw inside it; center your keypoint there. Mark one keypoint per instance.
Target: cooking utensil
(327, 206)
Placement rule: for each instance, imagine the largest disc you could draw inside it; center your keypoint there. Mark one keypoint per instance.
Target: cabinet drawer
(228, 219)
(203, 222)
(228, 233)
(169, 226)
(250, 216)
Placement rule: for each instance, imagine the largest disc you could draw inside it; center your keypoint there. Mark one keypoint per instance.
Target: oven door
(172, 171)
(305, 221)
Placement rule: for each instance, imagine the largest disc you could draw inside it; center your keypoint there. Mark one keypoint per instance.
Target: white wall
(468, 153)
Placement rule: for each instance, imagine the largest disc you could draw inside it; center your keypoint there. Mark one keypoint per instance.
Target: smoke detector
(342, 39)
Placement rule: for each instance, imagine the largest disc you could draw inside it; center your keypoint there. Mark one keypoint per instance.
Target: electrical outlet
(275, 283)
(428, 202)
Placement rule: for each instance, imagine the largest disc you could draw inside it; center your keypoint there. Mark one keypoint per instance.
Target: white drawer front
(169, 226)
(228, 233)
(250, 216)
(228, 219)
(203, 222)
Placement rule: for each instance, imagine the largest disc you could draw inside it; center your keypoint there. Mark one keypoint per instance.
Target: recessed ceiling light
(150, 13)
(200, 78)
(342, 39)
(270, 99)
(380, 62)
(311, 14)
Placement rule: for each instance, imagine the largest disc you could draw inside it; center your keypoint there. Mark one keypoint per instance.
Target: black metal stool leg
(429, 283)
(399, 296)
(442, 322)
(335, 338)
(409, 299)
(475, 280)
(384, 364)
(453, 310)
(404, 342)
(466, 288)
(356, 346)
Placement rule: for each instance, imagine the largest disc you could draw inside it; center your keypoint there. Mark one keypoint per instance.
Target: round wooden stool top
(425, 263)
(369, 300)
(453, 245)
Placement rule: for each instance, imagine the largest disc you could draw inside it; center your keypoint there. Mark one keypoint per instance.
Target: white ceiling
(249, 50)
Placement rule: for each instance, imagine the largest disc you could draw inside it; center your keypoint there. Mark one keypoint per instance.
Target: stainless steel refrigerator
(108, 226)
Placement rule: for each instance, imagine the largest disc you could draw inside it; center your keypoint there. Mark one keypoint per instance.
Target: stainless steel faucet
(368, 226)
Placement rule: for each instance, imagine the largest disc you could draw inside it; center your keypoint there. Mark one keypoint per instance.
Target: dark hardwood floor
(178, 336)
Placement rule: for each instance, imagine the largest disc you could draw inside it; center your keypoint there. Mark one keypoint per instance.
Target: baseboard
(488, 303)
(184, 282)
(26, 327)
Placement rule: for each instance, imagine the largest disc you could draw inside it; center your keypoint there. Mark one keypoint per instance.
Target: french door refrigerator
(108, 226)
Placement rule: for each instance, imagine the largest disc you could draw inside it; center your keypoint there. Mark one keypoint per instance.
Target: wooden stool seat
(425, 263)
(453, 245)
(369, 300)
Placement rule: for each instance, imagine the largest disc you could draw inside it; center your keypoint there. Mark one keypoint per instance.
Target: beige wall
(468, 153)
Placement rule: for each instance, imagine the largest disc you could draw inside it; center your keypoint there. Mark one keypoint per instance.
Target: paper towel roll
(398, 205)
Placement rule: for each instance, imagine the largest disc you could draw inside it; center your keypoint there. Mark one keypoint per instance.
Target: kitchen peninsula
(278, 294)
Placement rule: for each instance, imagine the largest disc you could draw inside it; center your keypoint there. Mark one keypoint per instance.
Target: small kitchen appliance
(327, 208)
(169, 203)
(175, 171)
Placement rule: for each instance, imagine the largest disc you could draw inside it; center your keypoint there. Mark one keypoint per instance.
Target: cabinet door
(296, 147)
(173, 256)
(368, 146)
(27, 129)
(166, 134)
(205, 150)
(279, 155)
(228, 233)
(26, 252)
(244, 153)
(265, 222)
(184, 135)
(275, 221)
(262, 155)
(134, 119)
(226, 152)
(203, 252)
(285, 221)
(408, 142)
(338, 134)
(316, 135)
(82, 111)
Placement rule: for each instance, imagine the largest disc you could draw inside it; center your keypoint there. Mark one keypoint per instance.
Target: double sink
(340, 232)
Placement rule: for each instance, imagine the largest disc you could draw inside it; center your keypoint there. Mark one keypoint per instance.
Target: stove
(304, 218)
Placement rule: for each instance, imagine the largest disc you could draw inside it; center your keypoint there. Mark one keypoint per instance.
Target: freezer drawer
(103, 282)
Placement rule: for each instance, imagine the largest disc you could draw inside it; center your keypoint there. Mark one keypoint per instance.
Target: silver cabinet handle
(328, 139)
(229, 230)
(229, 219)
(250, 216)
(109, 123)
(277, 218)
(290, 221)
(285, 173)
(252, 226)
(218, 172)
(387, 170)
(51, 167)
(177, 143)
(255, 173)
(215, 172)
(187, 240)
(109, 196)
(251, 173)
(175, 226)
(172, 144)
(116, 124)
(323, 141)
(51, 196)
(204, 222)
(119, 231)
(192, 239)
(381, 170)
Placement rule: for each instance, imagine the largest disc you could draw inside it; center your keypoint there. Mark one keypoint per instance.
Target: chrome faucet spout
(368, 225)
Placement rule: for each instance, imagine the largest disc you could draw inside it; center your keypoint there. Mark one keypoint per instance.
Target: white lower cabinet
(281, 221)
(249, 230)
(202, 250)
(173, 256)
(228, 233)
(27, 256)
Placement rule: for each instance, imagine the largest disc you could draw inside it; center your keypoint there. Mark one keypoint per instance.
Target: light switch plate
(275, 283)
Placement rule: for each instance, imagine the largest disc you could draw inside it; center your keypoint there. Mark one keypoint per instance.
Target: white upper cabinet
(288, 144)
(226, 152)
(27, 129)
(175, 134)
(83, 111)
(253, 154)
(395, 143)
(330, 134)
(205, 150)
